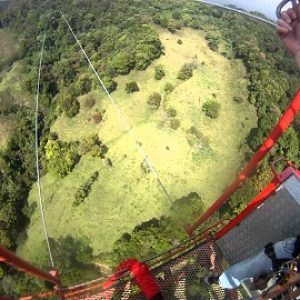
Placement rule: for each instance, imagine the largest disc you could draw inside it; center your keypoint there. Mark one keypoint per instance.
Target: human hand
(288, 29)
(213, 261)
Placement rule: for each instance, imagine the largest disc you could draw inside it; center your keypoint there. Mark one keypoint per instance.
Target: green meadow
(125, 194)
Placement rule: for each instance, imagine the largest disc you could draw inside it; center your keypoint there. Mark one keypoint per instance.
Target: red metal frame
(258, 200)
(279, 129)
(84, 289)
(9, 258)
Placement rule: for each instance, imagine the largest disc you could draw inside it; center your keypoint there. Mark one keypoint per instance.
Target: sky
(267, 7)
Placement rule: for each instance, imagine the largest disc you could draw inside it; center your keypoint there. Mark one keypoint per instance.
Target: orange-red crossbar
(277, 132)
(10, 258)
(257, 201)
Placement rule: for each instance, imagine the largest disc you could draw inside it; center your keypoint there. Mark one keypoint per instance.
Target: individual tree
(131, 87)
(211, 109)
(69, 105)
(85, 83)
(154, 101)
(83, 192)
(186, 71)
(172, 112)
(213, 45)
(169, 87)
(238, 99)
(213, 41)
(175, 124)
(61, 157)
(92, 145)
(159, 72)
(88, 101)
(109, 83)
(96, 117)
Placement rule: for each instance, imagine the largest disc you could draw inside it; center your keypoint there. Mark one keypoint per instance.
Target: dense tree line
(158, 235)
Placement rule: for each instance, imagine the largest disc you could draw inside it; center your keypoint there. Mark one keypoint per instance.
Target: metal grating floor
(276, 219)
(180, 279)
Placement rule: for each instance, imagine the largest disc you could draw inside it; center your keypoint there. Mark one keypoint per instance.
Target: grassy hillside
(124, 195)
(188, 106)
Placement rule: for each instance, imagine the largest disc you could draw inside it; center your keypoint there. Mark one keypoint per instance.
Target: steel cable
(121, 116)
(40, 202)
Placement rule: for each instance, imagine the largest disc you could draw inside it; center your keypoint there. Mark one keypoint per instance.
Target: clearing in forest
(202, 155)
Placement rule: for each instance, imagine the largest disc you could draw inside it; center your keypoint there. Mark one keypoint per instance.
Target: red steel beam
(257, 201)
(10, 258)
(279, 129)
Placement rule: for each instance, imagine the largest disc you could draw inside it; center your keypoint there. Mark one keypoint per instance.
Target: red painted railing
(277, 132)
(53, 276)
(10, 258)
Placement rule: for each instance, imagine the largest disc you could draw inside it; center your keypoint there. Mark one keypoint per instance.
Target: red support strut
(142, 276)
(10, 258)
(277, 132)
(258, 200)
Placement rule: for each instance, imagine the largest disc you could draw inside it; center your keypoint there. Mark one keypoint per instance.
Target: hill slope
(124, 195)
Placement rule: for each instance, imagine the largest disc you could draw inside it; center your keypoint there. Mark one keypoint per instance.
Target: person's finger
(285, 17)
(292, 14)
(282, 30)
(297, 11)
(284, 24)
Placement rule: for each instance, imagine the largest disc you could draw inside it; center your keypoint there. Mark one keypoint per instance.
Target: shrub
(179, 42)
(145, 167)
(238, 99)
(175, 123)
(88, 102)
(69, 105)
(186, 72)
(85, 84)
(213, 41)
(154, 101)
(169, 87)
(172, 112)
(61, 157)
(131, 87)
(159, 72)
(96, 117)
(211, 109)
(83, 192)
(110, 84)
(213, 45)
(94, 146)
